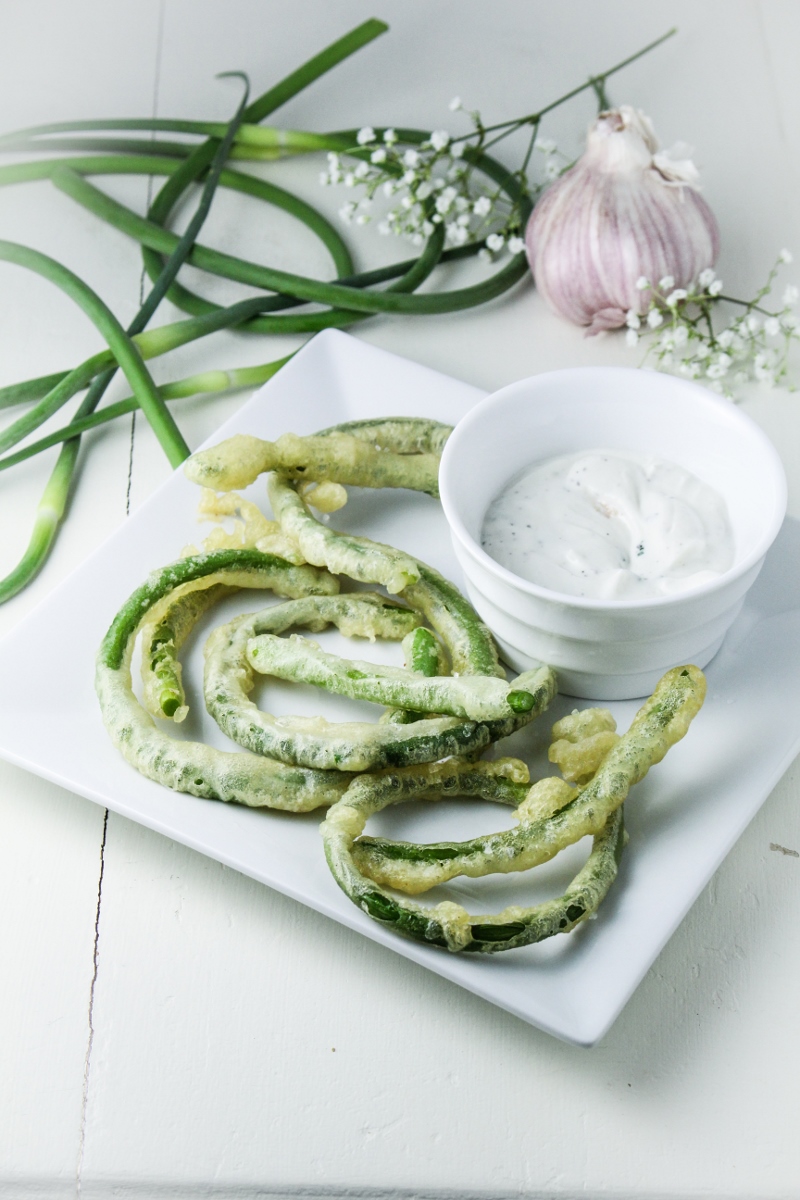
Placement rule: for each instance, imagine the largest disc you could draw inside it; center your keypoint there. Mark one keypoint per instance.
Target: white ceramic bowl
(609, 649)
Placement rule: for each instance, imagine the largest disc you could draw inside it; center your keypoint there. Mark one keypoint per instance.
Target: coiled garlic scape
(624, 212)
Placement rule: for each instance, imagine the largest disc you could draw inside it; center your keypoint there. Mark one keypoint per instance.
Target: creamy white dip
(610, 525)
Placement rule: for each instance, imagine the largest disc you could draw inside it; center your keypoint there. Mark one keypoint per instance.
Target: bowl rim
(718, 404)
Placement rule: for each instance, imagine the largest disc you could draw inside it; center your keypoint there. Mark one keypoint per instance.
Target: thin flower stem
(278, 95)
(531, 118)
(599, 85)
(523, 170)
(748, 304)
(491, 142)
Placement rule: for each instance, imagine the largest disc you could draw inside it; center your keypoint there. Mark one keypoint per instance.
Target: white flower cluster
(428, 185)
(680, 332)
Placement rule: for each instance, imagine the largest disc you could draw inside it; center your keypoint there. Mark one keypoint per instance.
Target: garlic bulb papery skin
(623, 212)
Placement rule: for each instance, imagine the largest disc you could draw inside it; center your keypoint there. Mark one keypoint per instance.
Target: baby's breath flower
(485, 255)
(642, 283)
(346, 212)
(741, 352)
(666, 283)
(631, 337)
(432, 183)
(786, 256)
(444, 201)
(455, 104)
(456, 234)
(546, 146)
(633, 320)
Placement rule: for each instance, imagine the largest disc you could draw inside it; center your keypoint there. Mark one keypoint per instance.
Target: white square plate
(682, 819)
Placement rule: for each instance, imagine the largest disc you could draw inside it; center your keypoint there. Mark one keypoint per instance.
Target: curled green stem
(123, 348)
(347, 299)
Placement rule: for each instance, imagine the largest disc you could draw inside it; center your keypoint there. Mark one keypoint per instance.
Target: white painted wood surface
(195, 1034)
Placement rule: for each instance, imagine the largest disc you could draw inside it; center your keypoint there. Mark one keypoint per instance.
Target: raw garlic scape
(623, 214)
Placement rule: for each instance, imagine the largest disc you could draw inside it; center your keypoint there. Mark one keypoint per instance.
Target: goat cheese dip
(610, 525)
